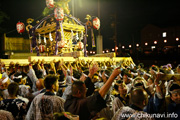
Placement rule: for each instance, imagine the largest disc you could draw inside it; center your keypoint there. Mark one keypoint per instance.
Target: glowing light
(153, 47)
(155, 42)
(165, 41)
(86, 51)
(116, 48)
(164, 34)
(90, 51)
(177, 39)
(137, 45)
(107, 51)
(103, 51)
(123, 47)
(146, 43)
(113, 49)
(130, 46)
(94, 52)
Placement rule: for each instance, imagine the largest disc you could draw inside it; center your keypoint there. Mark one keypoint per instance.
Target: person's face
(122, 88)
(95, 79)
(145, 76)
(149, 82)
(178, 70)
(176, 97)
(125, 79)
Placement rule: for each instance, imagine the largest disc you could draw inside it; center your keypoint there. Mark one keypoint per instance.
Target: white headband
(5, 80)
(18, 77)
(84, 74)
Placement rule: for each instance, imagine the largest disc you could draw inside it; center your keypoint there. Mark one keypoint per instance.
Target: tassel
(82, 35)
(44, 39)
(77, 38)
(72, 34)
(39, 38)
(62, 32)
(93, 40)
(85, 42)
(50, 37)
(58, 37)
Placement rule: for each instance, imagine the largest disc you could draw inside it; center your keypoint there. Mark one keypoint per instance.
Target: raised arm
(104, 89)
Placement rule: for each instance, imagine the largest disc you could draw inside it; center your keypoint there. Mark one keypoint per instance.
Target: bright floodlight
(164, 34)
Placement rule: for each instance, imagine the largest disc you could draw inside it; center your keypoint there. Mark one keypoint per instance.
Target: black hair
(18, 80)
(116, 85)
(76, 74)
(13, 89)
(49, 81)
(138, 96)
(39, 74)
(174, 86)
(77, 85)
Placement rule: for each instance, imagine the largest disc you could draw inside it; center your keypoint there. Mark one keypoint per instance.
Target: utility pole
(99, 40)
(115, 32)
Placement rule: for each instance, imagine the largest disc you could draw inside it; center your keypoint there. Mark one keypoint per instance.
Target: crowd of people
(89, 90)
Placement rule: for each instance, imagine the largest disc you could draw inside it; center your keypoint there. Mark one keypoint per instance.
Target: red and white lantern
(96, 23)
(41, 48)
(20, 27)
(59, 13)
(50, 3)
(61, 43)
(80, 45)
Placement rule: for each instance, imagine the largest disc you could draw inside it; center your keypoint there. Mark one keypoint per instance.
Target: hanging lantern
(80, 45)
(50, 3)
(96, 23)
(20, 27)
(59, 13)
(61, 43)
(41, 48)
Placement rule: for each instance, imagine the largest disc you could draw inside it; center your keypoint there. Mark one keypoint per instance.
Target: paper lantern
(80, 45)
(59, 13)
(61, 43)
(50, 3)
(20, 27)
(96, 23)
(41, 48)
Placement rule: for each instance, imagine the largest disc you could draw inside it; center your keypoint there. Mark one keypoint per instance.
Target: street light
(165, 41)
(177, 39)
(146, 43)
(123, 47)
(137, 45)
(130, 46)
(155, 42)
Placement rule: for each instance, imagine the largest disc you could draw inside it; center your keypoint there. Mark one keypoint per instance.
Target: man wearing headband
(79, 104)
(122, 99)
(174, 106)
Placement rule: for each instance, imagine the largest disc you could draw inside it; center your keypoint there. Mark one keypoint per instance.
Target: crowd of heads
(138, 82)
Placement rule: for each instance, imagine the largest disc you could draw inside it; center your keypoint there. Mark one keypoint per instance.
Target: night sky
(132, 16)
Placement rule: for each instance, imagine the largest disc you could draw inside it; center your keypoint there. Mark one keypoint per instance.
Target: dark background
(132, 16)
